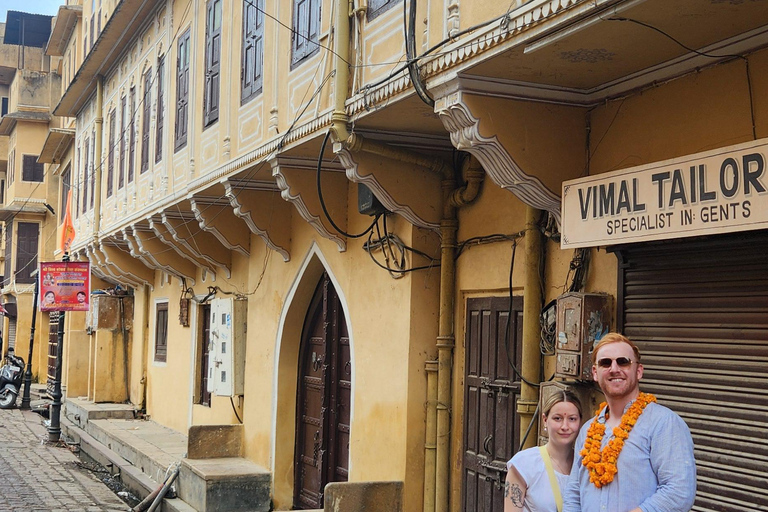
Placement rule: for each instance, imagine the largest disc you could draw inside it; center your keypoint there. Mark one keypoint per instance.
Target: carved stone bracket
(96, 268)
(414, 194)
(464, 128)
(117, 256)
(260, 206)
(297, 181)
(162, 234)
(156, 254)
(215, 216)
(182, 226)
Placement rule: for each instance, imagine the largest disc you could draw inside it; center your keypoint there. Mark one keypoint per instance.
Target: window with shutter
(306, 30)
(86, 158)
(376, 7)
(160, 108)
(123, 121)
(253, 49)
(31, 170)
(92, 24)
(111, 153)
(145, 121)
(66, 185)
(182, 91)
(212, 62)
(11, 166)
(8, 253)
(132, 136)
(94, 163)
(161, 332)
(26, 251)
(85, 40)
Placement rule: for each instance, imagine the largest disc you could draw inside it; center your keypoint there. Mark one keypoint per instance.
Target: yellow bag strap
(552, 478)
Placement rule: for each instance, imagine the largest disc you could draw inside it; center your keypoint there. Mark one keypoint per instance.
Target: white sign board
(717, 191)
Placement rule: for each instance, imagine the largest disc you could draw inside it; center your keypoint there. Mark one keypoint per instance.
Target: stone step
(230, 484)
(134, 480)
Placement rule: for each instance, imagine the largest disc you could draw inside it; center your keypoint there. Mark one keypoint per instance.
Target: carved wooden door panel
(323, 402)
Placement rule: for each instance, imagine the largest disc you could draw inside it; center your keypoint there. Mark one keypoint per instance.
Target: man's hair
(614, 337)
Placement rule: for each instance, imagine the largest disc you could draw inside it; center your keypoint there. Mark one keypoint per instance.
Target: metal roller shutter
(698, 310)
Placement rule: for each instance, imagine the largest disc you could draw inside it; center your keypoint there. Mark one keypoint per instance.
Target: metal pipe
(97, 150)
(339, 118)
(430, 445)
(25, 399)
(532, 302)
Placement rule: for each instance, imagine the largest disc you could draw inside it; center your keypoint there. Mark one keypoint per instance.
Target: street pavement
(39, 476)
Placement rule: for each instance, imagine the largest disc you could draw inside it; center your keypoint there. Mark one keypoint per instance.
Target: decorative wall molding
(464, 128)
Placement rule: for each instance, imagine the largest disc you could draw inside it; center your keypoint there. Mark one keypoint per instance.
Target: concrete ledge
(134, 480)
(229, 484)
(213, 441)
(364, 496)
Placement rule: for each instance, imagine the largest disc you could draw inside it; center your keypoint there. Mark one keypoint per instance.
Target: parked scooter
(10, 379)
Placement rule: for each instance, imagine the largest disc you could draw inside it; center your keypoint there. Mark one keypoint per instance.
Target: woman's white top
(530, 465)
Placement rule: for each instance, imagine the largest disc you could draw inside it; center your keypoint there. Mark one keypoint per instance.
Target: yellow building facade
(231, 163)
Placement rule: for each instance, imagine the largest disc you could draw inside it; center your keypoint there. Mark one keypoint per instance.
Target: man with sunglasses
(635, 455)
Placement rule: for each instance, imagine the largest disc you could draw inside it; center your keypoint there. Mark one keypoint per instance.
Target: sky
(49, 7)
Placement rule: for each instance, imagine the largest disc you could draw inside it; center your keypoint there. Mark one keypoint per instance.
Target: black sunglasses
(621, 362)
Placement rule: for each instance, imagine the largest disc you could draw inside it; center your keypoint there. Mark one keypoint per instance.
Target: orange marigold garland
(602, 464)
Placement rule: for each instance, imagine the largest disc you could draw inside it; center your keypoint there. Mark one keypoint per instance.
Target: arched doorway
(323, 399)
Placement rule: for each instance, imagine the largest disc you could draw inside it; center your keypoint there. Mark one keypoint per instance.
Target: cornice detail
(464, 128)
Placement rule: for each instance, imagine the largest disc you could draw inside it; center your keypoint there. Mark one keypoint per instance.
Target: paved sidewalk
(37, 476)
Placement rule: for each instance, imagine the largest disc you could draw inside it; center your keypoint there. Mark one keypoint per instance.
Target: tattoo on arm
(514, 493)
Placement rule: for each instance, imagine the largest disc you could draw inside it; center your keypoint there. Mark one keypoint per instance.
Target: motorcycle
(10, 379)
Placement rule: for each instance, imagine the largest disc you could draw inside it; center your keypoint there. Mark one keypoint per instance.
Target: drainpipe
(430, 446)
(99, 131)
(454, 198)
(532, 301)
(339, 118)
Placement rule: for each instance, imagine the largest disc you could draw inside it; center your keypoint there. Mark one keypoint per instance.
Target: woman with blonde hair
(536, 475)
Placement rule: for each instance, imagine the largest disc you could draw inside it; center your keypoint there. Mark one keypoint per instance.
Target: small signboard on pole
(65, 286)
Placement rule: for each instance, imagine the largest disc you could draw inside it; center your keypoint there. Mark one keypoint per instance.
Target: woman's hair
(561, 396)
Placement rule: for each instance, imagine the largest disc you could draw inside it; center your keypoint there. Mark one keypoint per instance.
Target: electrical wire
(322, 201)
(508, 330)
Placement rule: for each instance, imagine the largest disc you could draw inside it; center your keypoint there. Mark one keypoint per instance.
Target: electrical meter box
(226, 346)
(588, 393)
(582, 320)
(107, 310)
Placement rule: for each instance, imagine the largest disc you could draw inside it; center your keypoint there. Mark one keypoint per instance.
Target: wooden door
(491, 390)
(323, 401)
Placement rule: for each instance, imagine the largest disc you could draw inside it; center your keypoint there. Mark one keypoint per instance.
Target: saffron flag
(67, 228)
